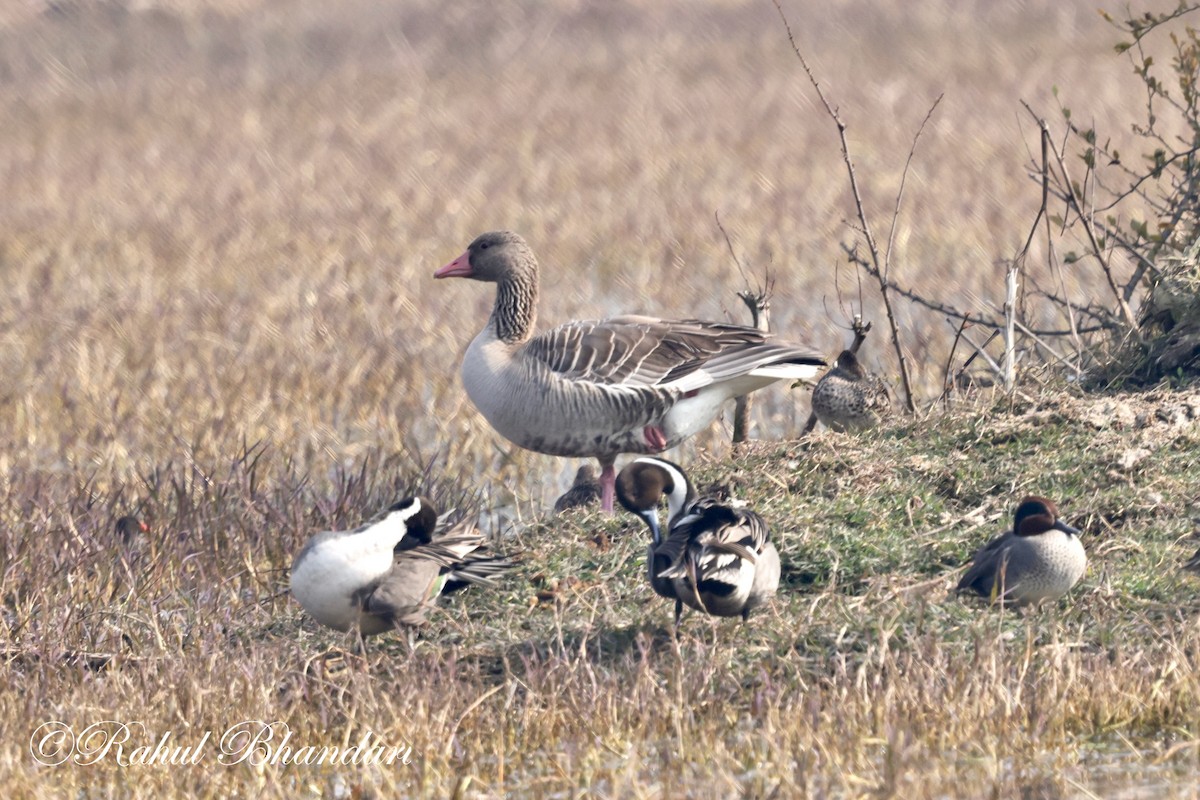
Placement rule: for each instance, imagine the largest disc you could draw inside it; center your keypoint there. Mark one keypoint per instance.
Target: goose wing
(644, 351)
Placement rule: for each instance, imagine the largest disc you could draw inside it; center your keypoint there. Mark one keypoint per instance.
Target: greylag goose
(847, 398)
(716, 556)
(389, 572)
(1040, 559)
(583, 492)
(629, 384)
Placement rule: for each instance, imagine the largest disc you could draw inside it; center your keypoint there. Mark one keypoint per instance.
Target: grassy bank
(863, 677)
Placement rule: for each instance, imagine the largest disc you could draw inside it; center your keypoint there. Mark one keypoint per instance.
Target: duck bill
(1065, 528)
(651, 518)
(458, 268)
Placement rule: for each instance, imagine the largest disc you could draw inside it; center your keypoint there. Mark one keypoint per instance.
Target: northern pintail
(715, 556)
(390, 571)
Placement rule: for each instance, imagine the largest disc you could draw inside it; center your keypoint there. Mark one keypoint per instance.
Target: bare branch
(947, 383)
(887, 257)
(880, 270)
(1090, 230)
(950, 311)
(737, 261)
(758, 302)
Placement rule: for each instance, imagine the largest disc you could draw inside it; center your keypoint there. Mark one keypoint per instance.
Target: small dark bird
(847, 398)
(715, 556)
(585, 491)
(1193, 564)
(1040, 559)
(131, 530)
(390, 572)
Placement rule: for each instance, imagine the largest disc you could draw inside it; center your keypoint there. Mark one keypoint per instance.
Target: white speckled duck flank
(1040, 559)
(600, 388)
(847, 398)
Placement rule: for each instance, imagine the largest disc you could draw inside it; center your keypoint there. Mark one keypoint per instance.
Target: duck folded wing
(719, 537)
(476, 569)
(405, 596)
(990, 573)
(644, 351)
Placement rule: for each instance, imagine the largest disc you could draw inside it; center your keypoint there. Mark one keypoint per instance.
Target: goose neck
(515, 312)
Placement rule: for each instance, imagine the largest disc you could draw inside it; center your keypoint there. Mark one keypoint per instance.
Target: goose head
(1037, 515)
(644, 482)
(495, 257)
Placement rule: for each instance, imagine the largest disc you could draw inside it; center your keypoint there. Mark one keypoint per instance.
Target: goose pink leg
(655, 438)
(608, 484)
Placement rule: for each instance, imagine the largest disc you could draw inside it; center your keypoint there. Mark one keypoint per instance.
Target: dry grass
(217, 238)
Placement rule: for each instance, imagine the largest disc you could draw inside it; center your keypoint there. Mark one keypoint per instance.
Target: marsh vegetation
(217, 240)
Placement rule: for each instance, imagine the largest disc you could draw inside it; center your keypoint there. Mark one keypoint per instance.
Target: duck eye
(484, 246)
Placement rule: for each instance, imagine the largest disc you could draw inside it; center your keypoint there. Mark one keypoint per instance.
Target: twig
(861, 329)
(1042, 343)
(947, 383)
(1010, 319)
(758, 301)
(1089, 228)
(880, 265)
(1077, 368)
(981, 352)
(950, 311)
(887, 258)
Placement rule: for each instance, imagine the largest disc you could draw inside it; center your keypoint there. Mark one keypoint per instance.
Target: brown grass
(218, 233)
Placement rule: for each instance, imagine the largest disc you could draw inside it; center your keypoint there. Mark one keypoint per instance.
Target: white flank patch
(798, 372)
(693, 380)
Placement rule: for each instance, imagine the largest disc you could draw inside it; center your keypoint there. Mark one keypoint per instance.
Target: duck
(640, 487)
(584, 491)
(601, 388)
(715, 556)
(389, 572)
(847, 398)
(1040, 559)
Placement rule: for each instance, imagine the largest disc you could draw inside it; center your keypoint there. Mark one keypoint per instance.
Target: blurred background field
(220, 222)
